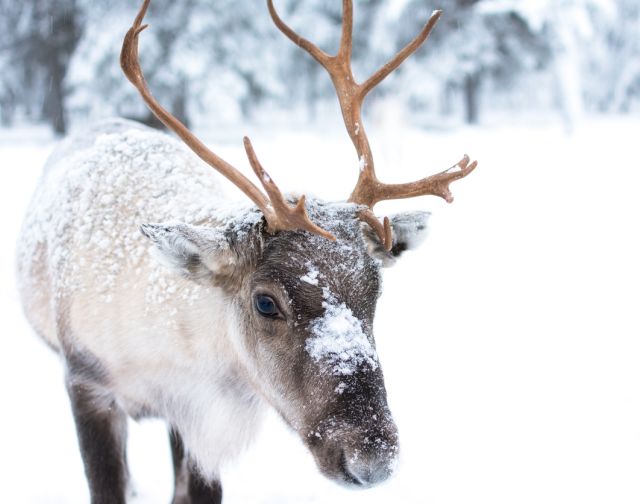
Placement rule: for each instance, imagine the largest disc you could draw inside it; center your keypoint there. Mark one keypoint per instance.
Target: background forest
(220, 62)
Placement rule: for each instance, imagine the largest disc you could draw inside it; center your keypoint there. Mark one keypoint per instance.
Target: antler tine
(318, 54)
(286, 217)
(402, 55)
(346, 38)
(382, 229)
(434, 185)
(278, 214)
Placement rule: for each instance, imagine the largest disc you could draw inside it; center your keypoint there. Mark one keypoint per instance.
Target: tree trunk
(7, 108)
(53, 107)
(53, 50)
(312, 91)
(472, 97)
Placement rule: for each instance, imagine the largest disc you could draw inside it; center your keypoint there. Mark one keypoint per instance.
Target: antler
(277, 212)
(369, 190)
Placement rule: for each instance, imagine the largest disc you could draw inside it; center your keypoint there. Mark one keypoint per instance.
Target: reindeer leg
(190, 487)
(101, 426)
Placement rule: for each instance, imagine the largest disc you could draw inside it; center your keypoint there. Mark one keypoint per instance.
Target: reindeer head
(304, 276)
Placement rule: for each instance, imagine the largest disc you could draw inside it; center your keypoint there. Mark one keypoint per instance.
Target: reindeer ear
(197, 253)
(409, 231)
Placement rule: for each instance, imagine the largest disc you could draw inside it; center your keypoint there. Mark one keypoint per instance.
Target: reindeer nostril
(367, 470)
(359, 456)
(344, 466)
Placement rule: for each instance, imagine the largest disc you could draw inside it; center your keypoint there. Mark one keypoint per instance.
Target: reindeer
(235, 310)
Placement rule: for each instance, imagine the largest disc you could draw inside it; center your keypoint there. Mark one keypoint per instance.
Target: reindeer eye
(266, 306)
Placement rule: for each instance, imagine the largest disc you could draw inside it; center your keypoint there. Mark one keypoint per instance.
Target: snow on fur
(136, 168)
(338, 339)
(311, 276)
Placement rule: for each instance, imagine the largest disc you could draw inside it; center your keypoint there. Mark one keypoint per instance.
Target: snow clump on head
(311, 276)
(337, 339)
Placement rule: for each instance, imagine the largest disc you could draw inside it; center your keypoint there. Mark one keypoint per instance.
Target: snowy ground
(510, 341)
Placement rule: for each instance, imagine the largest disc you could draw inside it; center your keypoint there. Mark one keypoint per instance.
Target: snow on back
(96, 191)
(338, 340)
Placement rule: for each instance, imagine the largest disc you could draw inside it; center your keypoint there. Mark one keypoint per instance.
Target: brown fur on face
(343, 419)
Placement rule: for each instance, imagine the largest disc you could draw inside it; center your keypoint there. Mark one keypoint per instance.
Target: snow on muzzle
(355, 440)
(356, 453)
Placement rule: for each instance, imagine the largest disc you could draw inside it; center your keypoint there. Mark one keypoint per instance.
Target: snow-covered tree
(224, 59)
(474, 43)
(613, 59)
(38, 41)
(200, 57)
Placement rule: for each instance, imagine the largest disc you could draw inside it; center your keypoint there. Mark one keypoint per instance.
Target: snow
(108, 234)
(338, 340)
(93, 178)
(509, 340)
(362, 163)
(311, 276)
